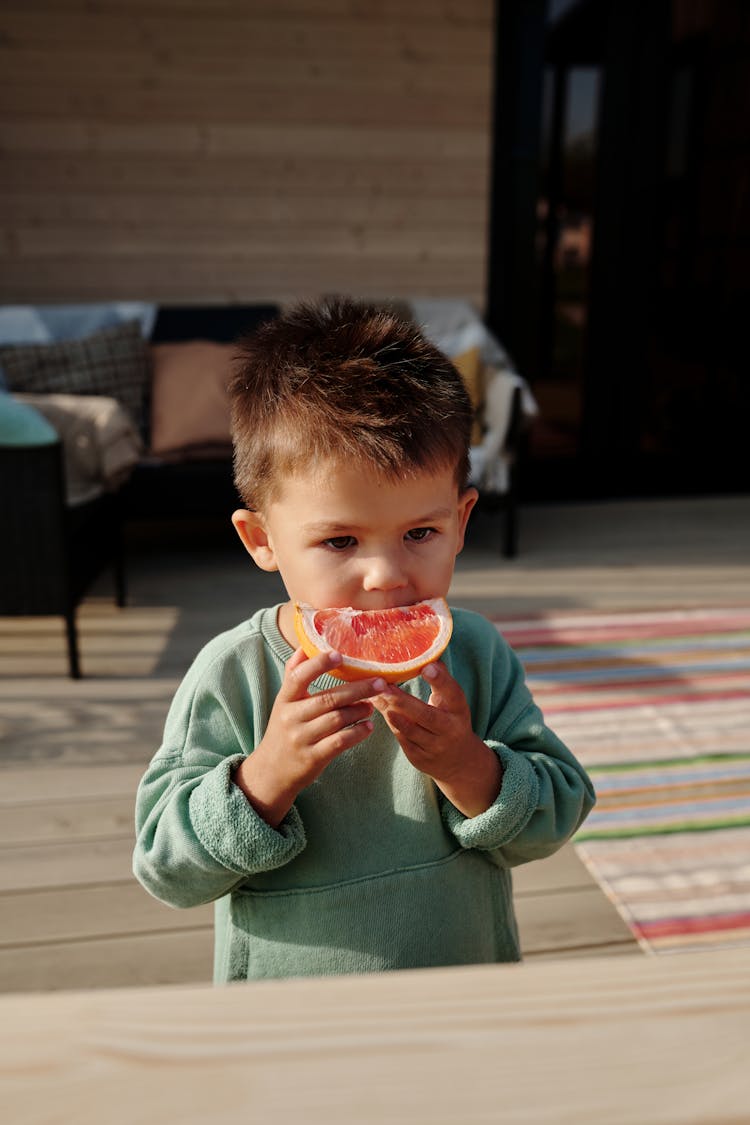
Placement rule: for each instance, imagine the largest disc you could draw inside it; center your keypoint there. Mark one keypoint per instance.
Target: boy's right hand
(305, 733)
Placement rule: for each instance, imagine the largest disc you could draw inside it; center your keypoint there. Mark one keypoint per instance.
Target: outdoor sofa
(133, 396)
(137, 392)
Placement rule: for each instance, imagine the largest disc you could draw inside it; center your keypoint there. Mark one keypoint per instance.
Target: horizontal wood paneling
(252, 31)
(256, 242)
(232, 279)
(158, 175)
(209, 75)
(241, 140)
(235, 103)
(186, 150)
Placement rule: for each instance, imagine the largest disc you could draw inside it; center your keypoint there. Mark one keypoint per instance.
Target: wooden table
(605, 1040)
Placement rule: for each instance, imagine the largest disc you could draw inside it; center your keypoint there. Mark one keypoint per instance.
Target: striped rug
(656, 705)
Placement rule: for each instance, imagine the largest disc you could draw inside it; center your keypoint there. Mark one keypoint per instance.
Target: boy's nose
(383, 572)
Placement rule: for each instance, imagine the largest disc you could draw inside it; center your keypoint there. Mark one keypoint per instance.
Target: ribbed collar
(280, 647)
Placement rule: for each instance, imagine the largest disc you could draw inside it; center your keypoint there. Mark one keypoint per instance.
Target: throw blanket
(100, 442)
(455, 327)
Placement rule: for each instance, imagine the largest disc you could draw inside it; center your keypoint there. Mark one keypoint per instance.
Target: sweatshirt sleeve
(197, 837)
(545, 793)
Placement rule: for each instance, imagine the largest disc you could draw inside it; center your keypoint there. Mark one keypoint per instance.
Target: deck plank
(571, 920)
(64, 819)
(559, 872)
(176, 957)
(35, 785)
(37, 866)
(102, 910)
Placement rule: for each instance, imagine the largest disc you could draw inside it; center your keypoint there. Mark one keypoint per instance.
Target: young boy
(352, 827)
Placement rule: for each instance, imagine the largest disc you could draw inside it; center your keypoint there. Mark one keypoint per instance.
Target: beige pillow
(189, 401)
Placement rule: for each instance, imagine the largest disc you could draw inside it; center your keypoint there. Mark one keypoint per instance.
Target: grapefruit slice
(393, 643)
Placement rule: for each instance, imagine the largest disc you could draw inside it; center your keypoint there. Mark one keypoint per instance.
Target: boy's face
(339, 537)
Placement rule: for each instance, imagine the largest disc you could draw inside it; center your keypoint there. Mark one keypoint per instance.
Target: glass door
(565, 214)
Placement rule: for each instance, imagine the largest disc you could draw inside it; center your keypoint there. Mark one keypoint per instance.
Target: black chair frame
(53, 551)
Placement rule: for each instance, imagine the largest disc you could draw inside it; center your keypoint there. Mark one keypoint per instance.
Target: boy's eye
(340, 542)
(418, 534)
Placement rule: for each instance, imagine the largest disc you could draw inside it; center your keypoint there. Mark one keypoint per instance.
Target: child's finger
(446, 692)
(342, 740)
(331, 722)
(302, 670)
(406, 713)
(344, 693)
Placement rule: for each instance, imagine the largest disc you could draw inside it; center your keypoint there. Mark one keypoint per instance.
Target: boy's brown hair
(346, 380)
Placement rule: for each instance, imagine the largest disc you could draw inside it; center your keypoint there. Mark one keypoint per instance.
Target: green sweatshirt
(372, 868)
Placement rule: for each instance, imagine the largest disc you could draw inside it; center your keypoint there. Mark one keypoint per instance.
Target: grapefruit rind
(352, 668)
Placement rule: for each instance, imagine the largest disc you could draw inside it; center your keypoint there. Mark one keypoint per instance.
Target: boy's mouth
(363, 604)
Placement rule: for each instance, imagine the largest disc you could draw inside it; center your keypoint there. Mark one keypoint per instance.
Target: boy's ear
(466, 502)
(251, 530)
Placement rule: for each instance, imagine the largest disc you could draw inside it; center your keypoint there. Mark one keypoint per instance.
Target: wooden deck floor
(72, 916)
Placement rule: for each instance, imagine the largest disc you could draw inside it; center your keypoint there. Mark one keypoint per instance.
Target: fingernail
(379, 685)
(335, 657)
(430, 672)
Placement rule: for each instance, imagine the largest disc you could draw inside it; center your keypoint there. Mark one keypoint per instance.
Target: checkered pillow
(114, 362)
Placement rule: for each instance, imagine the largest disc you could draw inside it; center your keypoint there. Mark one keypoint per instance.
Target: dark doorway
(623, 300)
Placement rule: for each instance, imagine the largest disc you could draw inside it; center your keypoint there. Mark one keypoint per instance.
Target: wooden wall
(243, 149)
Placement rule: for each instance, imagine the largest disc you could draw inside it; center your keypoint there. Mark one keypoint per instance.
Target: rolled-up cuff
(231, 830)
(511, 811)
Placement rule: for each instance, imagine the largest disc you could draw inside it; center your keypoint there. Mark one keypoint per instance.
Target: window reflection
(565, 215)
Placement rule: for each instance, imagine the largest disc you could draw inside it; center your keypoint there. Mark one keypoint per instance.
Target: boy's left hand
(438, 739)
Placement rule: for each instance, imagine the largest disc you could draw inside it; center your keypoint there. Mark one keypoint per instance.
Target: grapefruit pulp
(395, 644)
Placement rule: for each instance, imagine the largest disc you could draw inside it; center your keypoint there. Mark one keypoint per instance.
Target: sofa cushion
(22, 424)
(113, 362)
(189, 400)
